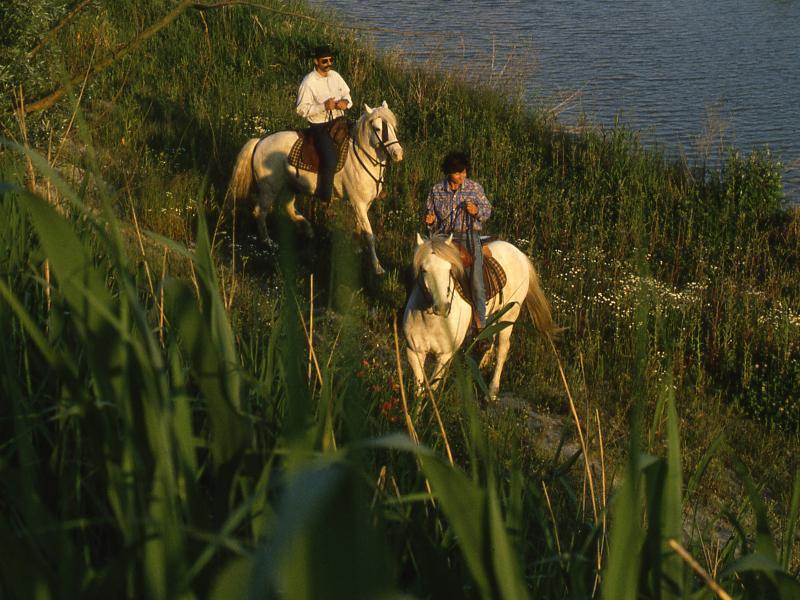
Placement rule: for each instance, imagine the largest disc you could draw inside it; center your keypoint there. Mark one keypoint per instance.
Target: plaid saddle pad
(494, 280)
(303, 154)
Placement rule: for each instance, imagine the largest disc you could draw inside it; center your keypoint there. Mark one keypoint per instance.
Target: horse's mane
(438, 245)
(380, 111)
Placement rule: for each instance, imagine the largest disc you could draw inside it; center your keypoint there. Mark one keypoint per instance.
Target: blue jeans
(326, 148)
(472, 241)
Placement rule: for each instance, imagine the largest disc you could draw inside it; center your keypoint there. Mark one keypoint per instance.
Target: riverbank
(633, 64)
(197, 431)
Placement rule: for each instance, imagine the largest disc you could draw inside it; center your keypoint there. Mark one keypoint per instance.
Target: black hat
(322, 51)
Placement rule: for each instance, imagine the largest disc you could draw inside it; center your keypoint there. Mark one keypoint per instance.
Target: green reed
(209, 464)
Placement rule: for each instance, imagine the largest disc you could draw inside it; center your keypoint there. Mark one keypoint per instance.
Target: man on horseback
(322, 97)
(458, 205)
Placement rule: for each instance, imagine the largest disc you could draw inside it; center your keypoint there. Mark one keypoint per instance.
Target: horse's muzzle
(396, 152)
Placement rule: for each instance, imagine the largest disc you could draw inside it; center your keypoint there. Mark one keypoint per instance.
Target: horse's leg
(295, 216)
(503, 345)
(364, 226)
(417, 362)
(260, 212)
(486, 359)
(442, 360)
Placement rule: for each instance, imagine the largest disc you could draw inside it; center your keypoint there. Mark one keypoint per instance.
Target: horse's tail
(538, 306)
(242, 176)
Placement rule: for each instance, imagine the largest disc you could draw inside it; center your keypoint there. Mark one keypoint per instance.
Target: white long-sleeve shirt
(315, 90)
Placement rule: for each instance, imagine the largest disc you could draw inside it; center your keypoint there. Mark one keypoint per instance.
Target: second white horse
(437, 318)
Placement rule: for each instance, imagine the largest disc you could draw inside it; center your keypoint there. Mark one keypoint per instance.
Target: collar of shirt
(319, 77)
(466, 185)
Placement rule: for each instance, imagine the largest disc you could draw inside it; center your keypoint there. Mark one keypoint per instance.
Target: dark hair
(455, 162)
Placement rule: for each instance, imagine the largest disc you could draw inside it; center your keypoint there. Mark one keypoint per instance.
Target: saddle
(494, 277)
(303, 154)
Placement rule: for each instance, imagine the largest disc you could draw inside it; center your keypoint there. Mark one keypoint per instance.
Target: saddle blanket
(494, 280)
(303, 154)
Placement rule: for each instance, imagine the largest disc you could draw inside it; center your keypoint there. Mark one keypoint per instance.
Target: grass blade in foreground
(672, 574)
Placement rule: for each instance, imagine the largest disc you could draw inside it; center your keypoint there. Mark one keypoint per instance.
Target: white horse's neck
(366, 167)
(458, 308)
(449, 331)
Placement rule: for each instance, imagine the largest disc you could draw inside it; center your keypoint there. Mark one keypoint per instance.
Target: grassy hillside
(168, 433)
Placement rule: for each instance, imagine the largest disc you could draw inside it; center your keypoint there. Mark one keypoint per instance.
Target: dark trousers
(326, 148)
(472, 241)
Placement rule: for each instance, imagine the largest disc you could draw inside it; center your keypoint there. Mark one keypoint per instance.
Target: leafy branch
(125, 49)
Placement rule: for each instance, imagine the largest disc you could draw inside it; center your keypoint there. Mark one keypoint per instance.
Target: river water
(694, 76)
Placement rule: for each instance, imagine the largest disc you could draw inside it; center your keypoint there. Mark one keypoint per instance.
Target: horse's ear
(368, 109)
(384, 105)
(420, 241)
(449, 241)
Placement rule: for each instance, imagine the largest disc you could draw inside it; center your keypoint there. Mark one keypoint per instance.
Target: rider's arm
(307, 106)
(482, 202)
(344, 91)
(430, 212)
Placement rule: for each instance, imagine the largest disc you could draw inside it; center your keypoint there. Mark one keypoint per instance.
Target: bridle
(383, 139)
(384, 144)
(426, 293)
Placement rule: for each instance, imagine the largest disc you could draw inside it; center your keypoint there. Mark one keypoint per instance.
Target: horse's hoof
(379, 270)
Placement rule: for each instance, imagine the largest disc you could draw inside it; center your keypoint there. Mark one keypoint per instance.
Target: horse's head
(436, 263)
(380, 126)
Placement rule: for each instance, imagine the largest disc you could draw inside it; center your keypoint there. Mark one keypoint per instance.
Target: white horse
(437, 318)
(265, 162)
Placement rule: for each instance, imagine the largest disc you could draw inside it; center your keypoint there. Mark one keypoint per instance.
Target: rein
(376, 162)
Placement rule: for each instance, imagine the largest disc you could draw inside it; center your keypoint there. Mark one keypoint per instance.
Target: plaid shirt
(449, 209)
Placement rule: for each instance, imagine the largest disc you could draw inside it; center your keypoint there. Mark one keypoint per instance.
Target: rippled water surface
(687, 73)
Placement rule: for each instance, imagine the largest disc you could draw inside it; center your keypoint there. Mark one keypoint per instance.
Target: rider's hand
(430, 218)
(471, 208)
(341, 104)
(330, 104)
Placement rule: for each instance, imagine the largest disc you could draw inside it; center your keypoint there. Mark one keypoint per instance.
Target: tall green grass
(140, 465)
